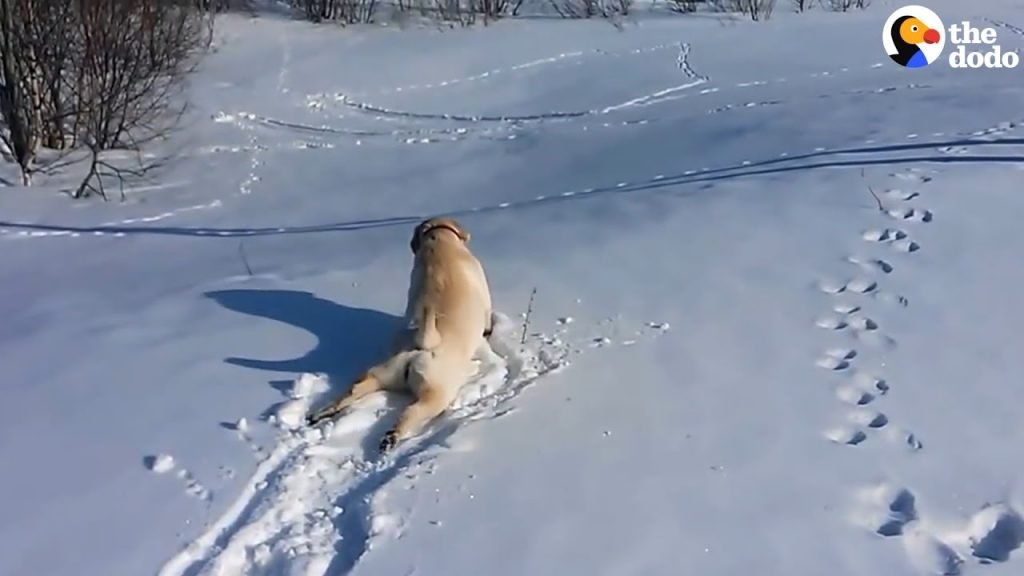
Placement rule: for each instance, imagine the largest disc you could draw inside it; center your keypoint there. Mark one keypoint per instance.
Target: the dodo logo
(914, 36)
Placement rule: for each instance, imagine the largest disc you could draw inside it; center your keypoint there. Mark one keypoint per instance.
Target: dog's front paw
(389, 441)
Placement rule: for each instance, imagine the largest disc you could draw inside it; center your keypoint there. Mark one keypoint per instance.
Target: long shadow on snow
(761, 168)
(348, 338)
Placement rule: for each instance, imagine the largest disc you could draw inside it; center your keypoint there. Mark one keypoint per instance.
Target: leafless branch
(95, 75)
(526, 317)
(881, 208)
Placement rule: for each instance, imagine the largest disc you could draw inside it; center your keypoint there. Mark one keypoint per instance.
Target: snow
(773, 325)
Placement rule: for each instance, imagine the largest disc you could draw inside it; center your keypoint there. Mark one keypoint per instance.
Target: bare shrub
(455, 11)
(683, 6)
(94, 74)
(22, 85)
(592, 8)
(216, 6)
(449, 12)
(621, 7)
(845, 5)
(756, 10)
(344, 11)
(801, 5)
(494, 9)
(135, 56)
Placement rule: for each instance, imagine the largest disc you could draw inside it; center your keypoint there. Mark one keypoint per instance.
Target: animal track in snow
(831, 322)
(320, 101)
(885, 509)
(846, 316)
(994, 532)
(910, 214)
(861, 388)
(863, 323)
(891, 298)
(865, 329)
(895, 238)
(883, 235)
(846, 435)
(831, 286)
(165, 463)
(871, 264)
(929, 554)
(241, 429)
(671, 93)
(869, 419)
(836, 359)
(912, 175)
(855, 396)
(861, 285)
(905, 245)
(900, 195)
(989, 535)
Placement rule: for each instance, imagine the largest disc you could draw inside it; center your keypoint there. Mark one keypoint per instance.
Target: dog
(448, 317)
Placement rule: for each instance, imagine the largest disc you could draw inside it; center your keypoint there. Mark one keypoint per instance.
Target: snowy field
(777, 305)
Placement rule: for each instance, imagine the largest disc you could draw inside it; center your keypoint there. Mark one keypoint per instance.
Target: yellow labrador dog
(448, 317)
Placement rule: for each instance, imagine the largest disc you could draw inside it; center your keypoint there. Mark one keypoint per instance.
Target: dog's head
(433, 226)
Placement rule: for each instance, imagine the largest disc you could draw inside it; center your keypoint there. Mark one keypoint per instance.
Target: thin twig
(526, 318)
(245, 260)
(875, 196)
(877, 199)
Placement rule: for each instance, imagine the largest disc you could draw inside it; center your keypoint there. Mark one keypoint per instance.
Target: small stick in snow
(875, 196)
(245, 260)
(526, 318)
(877, 199)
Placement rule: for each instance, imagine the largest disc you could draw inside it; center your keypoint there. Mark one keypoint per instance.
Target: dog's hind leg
(432, 400)
(389, 375)
(363, 387)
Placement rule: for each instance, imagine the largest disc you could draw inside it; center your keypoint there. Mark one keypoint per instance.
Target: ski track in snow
(965, 142)
(317, 502)
(501, 128)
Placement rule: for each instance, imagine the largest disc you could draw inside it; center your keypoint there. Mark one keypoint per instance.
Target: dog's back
(449, 300)
(455, 299)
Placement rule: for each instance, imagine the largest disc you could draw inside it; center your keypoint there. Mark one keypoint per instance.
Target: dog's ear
(417, 233)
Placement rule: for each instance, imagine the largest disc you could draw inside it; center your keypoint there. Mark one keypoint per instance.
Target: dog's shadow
(349, 339)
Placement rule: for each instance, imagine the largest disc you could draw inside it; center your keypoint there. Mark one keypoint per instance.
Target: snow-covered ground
(774, 329)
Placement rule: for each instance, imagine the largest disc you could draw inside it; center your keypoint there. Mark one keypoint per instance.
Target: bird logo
(914, 36)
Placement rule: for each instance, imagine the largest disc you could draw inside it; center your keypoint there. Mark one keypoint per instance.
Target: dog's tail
(427, 336)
